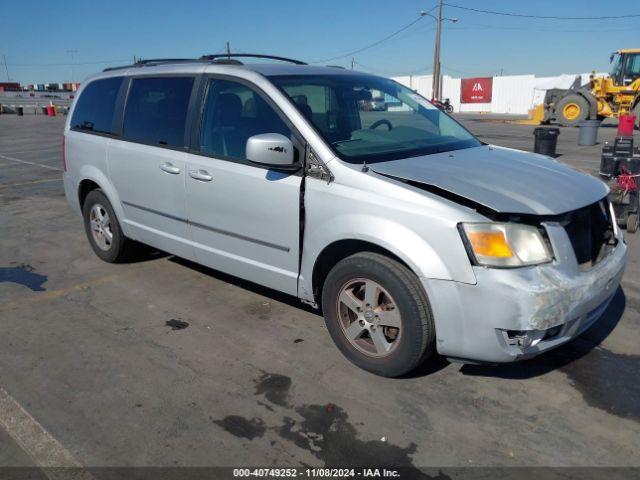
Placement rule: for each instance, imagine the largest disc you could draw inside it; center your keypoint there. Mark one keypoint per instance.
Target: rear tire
(393, 332)
(636, 112)
(103, 229)
(571, 110)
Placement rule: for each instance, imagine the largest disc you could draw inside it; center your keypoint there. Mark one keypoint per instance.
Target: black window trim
(122, 109)
(116, 108)
(297, 139)
(195, 111)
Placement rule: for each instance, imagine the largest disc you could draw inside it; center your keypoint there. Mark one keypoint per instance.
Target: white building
(512, 94)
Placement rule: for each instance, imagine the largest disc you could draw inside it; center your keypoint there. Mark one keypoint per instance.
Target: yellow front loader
(610, 96)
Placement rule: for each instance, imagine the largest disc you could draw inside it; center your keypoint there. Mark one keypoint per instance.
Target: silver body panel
(502, 179)
(245, 221)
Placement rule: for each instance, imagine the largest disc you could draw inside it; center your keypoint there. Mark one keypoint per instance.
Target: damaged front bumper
(513, 314)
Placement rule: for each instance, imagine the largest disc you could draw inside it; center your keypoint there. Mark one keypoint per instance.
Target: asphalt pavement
(254, 379)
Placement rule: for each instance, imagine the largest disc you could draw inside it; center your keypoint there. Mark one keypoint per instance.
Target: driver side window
(233, 112)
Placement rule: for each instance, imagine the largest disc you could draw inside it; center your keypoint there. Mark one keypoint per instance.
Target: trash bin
(546, 140)
(625, 125)
(19, 111)
(588, 134)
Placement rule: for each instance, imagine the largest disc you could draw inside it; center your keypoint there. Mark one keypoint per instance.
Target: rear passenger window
(234, 112)
(156, 110)
(95, 107)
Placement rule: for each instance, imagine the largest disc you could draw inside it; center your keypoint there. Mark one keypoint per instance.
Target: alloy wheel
(369, 317)
(101, 227)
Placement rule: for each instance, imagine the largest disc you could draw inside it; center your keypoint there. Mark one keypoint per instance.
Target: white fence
(512, 94)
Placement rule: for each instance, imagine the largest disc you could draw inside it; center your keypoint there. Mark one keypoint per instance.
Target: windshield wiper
(340, 142)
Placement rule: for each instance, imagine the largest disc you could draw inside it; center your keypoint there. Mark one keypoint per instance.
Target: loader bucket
(536, 116)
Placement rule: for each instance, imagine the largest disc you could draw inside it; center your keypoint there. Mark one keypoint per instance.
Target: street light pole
(6, 69)
(72, 52)
(435, 91)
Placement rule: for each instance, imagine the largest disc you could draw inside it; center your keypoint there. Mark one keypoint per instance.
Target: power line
(338, 57)
(479, 26)
(543, 17)
(65, 64)
(388, 73)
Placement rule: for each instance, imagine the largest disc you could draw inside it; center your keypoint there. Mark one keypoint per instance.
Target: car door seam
(213, 229)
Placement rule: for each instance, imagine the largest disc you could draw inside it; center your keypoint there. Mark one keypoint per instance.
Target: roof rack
(229, 56)
(226, 58)
(152, 61)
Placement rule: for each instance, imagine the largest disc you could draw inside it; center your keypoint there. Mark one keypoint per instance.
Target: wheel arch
(91, 178)
(591, 100)
(341, 249)
(84, 188)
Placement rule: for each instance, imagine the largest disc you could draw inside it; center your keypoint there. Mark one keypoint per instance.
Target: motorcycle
(445, 105)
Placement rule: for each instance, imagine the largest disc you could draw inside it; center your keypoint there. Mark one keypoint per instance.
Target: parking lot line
(11, 159)
(46, 452)
(45, 149)
(31, 183)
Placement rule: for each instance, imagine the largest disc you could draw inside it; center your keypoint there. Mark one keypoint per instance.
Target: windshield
(616, 69)
(399, 124)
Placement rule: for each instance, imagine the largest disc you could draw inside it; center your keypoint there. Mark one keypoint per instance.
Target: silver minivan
(410, 234)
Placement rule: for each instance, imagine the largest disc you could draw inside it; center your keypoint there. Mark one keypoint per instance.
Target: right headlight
(505, 244)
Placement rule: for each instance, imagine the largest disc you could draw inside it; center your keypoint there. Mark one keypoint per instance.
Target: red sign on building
(476, 90)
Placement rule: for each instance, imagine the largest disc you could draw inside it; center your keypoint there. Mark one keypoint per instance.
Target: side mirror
(271, 150)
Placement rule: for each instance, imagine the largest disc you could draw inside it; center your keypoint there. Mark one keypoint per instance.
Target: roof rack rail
(229, 56)
(143, 62)
(152, 61)
(223, 58)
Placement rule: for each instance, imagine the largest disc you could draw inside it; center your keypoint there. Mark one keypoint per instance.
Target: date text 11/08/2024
(316, 473)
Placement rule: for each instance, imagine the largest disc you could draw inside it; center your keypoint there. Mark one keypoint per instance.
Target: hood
(501, 179)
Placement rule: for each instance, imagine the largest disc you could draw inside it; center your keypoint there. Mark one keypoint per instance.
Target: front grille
(590, 230)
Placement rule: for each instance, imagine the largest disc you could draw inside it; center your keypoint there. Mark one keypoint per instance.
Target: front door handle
(201, 175)
(169, 168)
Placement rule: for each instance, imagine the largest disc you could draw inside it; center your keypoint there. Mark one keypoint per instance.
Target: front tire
(571, 110)
(378, 314)
(103, 229)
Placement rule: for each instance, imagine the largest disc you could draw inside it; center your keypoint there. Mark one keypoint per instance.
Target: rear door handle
(169, 168)
(201, 175)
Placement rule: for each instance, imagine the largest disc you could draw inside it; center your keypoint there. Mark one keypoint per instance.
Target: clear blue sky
(36, 36)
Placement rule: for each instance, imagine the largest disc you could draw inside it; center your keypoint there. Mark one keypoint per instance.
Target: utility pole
(436, 56)
(228, 51)
(72, 52)
(436, 87)
(353, 60)
(6, 69)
